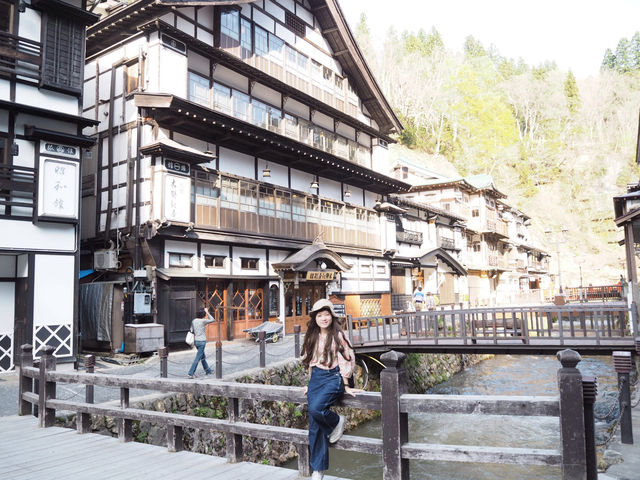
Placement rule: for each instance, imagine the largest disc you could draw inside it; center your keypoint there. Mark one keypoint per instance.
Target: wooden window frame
(217, 261)
(249, 263)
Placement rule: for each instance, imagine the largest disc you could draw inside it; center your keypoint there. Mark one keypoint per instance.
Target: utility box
(141, 303)
(143, 337)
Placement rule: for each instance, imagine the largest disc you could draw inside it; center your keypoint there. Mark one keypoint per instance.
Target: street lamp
(556, 238)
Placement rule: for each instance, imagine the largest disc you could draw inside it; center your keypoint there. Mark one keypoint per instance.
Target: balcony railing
(447, 243)
(19, 57)
(17, 191)
(409, 236)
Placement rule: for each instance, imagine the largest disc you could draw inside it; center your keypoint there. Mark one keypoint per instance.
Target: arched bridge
(591, 329)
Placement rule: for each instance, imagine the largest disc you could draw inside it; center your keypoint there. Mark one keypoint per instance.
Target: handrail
(392, 401)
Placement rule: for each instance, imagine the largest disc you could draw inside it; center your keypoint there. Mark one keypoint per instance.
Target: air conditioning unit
(105, 259)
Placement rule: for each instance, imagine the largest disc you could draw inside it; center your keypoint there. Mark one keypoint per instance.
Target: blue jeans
(325, 388)
(200, 356)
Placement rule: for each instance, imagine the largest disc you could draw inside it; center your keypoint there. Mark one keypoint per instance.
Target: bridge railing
(573, 407)
(600, 293)
(590, 323)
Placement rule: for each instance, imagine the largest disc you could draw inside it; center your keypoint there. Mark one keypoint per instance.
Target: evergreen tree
(473, 47)
(634, 52)
(572, 93)
(622, 56)
(609, 60)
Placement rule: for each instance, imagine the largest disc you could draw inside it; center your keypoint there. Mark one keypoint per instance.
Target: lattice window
(370, 307)
(295, 24)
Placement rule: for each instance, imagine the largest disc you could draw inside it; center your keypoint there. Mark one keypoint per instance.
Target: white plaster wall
(264, 21)
(27, 152)
(205, 17)
(30, 25)
(330, 189)
(5, 90)
(184, 25)
(231, 79)
(274, 10)
(54, 279)
(198, 63)
(296, 108)
(219, 250)
(304, 14)
(7, 266)
(279, 173)
(23, 266)
(288, 4)
(370, 199)
(266, 94)
(285, 34)
(50, 100)
(301, 181)
(45, 236)
(239, 252)
(356, 197)
(276, 256)
(325, 121)
(173, 246)
(7, 312)
(236, 163)
(173, 74)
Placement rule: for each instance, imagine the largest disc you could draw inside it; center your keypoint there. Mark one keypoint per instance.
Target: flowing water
(501, 375)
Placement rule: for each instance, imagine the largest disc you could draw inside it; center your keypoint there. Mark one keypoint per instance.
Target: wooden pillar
(623, 366)
(589, 392)
(174, 438)
(393, 383)
(25, 384)
(234, 441)
(83, 420)
(572, 437)
(46, 416)
(125, 433)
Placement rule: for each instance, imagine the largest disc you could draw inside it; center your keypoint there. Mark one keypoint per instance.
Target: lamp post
(556, 238)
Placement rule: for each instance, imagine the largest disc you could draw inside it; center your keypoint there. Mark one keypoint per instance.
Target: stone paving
(237, 356)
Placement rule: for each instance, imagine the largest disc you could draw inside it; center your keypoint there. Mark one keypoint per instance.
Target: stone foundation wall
(423, 370)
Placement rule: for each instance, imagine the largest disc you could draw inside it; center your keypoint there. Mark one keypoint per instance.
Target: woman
(330, 359)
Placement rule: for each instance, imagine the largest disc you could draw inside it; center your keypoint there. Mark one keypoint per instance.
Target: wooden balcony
(447, 243)
(19, 57)
(17, 191)
(409, 236)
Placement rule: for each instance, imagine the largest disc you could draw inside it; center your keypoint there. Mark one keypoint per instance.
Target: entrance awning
(426, 260)
(309, 256)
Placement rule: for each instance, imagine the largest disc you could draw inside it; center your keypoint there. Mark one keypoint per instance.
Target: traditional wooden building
(41, 144)
(237, 163)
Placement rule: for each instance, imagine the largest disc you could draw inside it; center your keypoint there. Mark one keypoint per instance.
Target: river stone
(611, 457)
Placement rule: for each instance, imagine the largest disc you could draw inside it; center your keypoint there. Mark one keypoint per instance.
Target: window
(222, 98)
(214, 261)
(274, 300)
(63, 54)
(246, 39)
(316, 71)
(365, 268)
(180, 260)
(475, 212)
(261, 42)
(6, 16)
(198, 89)
(230, 24)
(381, 269)
(476, 247)
(276, 47)
(241, 105)
(339, 81)
(132, 81)
(259, 114)
(249, 263)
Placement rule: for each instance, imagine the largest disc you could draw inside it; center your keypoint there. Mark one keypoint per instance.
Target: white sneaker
(317, 476)
(337, 432)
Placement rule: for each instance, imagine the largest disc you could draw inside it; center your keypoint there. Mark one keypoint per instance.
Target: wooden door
(298, 304)
(212, 294)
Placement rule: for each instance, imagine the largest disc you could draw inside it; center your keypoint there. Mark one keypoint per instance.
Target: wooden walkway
(28, 452)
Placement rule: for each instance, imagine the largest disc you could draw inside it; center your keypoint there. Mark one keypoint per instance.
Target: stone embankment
(423, 371)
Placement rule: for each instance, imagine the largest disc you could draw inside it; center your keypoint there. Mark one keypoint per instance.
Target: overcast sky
(573, 33)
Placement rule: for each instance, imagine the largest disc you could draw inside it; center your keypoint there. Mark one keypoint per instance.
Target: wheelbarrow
(272, 331)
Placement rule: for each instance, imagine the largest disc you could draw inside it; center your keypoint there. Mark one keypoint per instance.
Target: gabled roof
(304, 257)
(425, 258)
(126, 19)
(473, 183)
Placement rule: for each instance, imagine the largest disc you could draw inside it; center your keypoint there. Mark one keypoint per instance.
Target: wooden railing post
(304, 469)
(574, 465)
(622, 364)
(125, 432)
(46, 416)
(393, 383)
(218, 359)
(589, 392)
(234, 441)
(25, 384)
(296, 340)
(83, 420)
(174, 438)
(262, 341)
(163, 353)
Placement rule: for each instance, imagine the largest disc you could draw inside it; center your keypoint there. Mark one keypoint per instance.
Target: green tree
(473, 47)
(572, 93)
(623, 63)
(634, 52)
(609, 60)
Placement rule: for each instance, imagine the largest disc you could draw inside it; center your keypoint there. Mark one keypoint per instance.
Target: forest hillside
(560, 147)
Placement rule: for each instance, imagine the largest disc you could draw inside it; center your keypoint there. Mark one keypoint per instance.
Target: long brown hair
(311, 341)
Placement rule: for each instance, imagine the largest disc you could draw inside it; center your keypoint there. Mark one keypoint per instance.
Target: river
(501, 375)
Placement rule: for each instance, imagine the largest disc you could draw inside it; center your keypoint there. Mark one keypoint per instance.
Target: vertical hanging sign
(58, 186)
